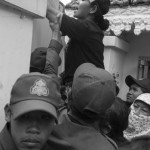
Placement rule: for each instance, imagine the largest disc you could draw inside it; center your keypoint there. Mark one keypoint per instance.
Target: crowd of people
(79, 110)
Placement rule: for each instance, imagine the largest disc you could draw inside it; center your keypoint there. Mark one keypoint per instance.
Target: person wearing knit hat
(136, 87)
(93, 92)
(85, 31)
(139, 118)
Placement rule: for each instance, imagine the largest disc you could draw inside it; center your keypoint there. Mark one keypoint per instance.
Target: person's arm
(69, 26)
(52, 57)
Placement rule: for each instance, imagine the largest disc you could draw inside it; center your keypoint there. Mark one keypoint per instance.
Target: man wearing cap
(136, 87)
(31, 113)
(93, 92)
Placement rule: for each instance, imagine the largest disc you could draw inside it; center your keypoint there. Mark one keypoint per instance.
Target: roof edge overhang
(135, 18)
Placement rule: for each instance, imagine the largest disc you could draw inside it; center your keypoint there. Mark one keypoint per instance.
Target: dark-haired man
(136, 87)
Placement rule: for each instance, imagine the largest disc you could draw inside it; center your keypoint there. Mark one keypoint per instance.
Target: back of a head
(38, 60)
(117, 116)
(93, 91)
(140, 143)
(104, 6)
(102, 9)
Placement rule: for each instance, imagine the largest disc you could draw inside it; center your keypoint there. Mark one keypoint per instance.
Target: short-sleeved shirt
(85, 45)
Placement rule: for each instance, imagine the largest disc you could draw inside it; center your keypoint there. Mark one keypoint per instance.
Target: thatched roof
(114, 3)
(124, 15)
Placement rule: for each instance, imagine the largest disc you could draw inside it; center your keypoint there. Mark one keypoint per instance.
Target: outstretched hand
(52, 10)
(55, 27)
(51, 4)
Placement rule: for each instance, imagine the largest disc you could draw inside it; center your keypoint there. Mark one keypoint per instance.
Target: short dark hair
(38, 59)
(117, 116)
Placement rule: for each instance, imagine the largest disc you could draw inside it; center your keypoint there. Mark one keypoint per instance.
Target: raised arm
(52, 12)
(52, 57)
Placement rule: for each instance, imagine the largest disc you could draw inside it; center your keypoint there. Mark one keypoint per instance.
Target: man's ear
(7, 112)
(93, 9)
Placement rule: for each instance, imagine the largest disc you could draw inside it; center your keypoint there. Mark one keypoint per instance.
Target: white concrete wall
(107, 57)
(114, 62)
(113, 41)
(114, 54)
(15, 49)
(42, 31)
(140, 46)
(16, 29)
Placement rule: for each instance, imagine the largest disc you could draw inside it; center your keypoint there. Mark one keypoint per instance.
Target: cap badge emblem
(39, 88)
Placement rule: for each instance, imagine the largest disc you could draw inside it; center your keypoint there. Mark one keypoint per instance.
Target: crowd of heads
(92, 99)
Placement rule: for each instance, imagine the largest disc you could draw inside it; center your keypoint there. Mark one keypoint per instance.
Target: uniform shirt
(85, 44)
(73, 136)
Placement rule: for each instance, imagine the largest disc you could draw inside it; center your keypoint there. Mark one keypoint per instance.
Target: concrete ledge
(34, 8)
(113, 41)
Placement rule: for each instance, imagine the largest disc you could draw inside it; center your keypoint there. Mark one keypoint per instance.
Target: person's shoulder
(1, 147)
(61, 129)
(6, 141)
(58, 138)
(3, 139)
(3, 135)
